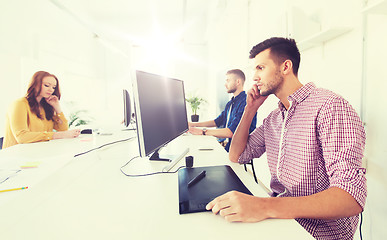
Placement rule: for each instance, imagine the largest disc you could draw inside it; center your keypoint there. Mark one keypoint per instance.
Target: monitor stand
(156, 157)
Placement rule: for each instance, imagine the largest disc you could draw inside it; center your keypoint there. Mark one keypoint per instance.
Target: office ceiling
(123, 20)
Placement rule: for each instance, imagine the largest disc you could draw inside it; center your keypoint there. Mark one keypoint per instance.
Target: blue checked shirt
(237, 105)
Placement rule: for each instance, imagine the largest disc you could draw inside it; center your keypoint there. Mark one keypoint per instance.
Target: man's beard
(231, 90)
(274, 86)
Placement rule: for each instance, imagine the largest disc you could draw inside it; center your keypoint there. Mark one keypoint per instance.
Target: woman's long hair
(33, 91)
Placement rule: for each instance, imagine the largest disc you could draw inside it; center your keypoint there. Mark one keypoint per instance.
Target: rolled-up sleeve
(255, 146)
(235, 118)
(342, 137)
(220, 121)
(60, 122)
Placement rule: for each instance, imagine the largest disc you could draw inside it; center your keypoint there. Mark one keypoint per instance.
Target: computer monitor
(161, 114)
(127, 108)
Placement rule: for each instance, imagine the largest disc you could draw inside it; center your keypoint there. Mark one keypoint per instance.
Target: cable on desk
(361, 221)
(15, 172)
(146, 174)
(104, 145)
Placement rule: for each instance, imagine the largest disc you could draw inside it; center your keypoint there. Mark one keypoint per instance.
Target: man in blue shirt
(228, 120)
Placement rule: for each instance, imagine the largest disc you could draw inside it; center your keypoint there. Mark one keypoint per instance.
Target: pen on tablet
(197, 178)
(13, 189)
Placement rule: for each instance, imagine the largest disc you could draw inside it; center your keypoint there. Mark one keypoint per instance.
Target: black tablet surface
(217, 180)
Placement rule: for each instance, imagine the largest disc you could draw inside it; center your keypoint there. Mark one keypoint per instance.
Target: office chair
(252, 167)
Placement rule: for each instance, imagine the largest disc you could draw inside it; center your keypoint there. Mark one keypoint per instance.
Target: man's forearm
(210, 123)
(220, 133)
(333, 203)
(241, 135)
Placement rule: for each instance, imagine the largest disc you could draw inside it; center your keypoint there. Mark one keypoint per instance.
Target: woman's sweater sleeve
(60, 122)
(19, 127)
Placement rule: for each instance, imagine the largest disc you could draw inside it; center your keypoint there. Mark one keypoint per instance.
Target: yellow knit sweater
(23, 126)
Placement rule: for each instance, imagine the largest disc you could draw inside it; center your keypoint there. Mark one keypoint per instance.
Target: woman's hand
(53, 100)
(66, 134)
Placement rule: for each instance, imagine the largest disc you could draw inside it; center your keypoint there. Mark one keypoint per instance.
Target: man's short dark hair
(238, 73)
(281, 49)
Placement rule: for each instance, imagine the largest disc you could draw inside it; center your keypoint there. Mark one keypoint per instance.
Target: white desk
(87, 197)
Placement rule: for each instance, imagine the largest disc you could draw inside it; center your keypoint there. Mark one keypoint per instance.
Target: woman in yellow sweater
(34, 117)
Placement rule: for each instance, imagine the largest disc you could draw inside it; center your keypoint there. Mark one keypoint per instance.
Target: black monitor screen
(160, 110)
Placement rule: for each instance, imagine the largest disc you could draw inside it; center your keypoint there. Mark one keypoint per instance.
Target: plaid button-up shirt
(316, 144)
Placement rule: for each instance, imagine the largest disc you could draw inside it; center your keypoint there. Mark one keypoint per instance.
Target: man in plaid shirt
(314, 143)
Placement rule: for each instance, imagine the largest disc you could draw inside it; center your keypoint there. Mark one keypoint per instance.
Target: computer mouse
(87, 131)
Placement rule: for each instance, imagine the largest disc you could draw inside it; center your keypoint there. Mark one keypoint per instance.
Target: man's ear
(287, 67)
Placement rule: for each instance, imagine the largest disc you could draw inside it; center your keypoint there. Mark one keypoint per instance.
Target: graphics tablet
(217, 181)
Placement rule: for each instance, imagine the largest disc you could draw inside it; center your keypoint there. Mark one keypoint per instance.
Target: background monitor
(161, 113)
(127, 108)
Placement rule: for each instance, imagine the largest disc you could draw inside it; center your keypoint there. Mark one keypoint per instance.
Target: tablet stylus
(197, 178)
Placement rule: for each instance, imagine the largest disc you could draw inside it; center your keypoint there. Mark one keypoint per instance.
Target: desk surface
(87, 197)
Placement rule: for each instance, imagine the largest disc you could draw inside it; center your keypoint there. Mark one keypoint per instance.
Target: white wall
(375, 116)
(227, 45)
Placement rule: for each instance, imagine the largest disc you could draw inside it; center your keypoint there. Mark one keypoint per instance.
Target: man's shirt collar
(298, 96)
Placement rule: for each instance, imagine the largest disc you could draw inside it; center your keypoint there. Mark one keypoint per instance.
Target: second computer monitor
(127, 108)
